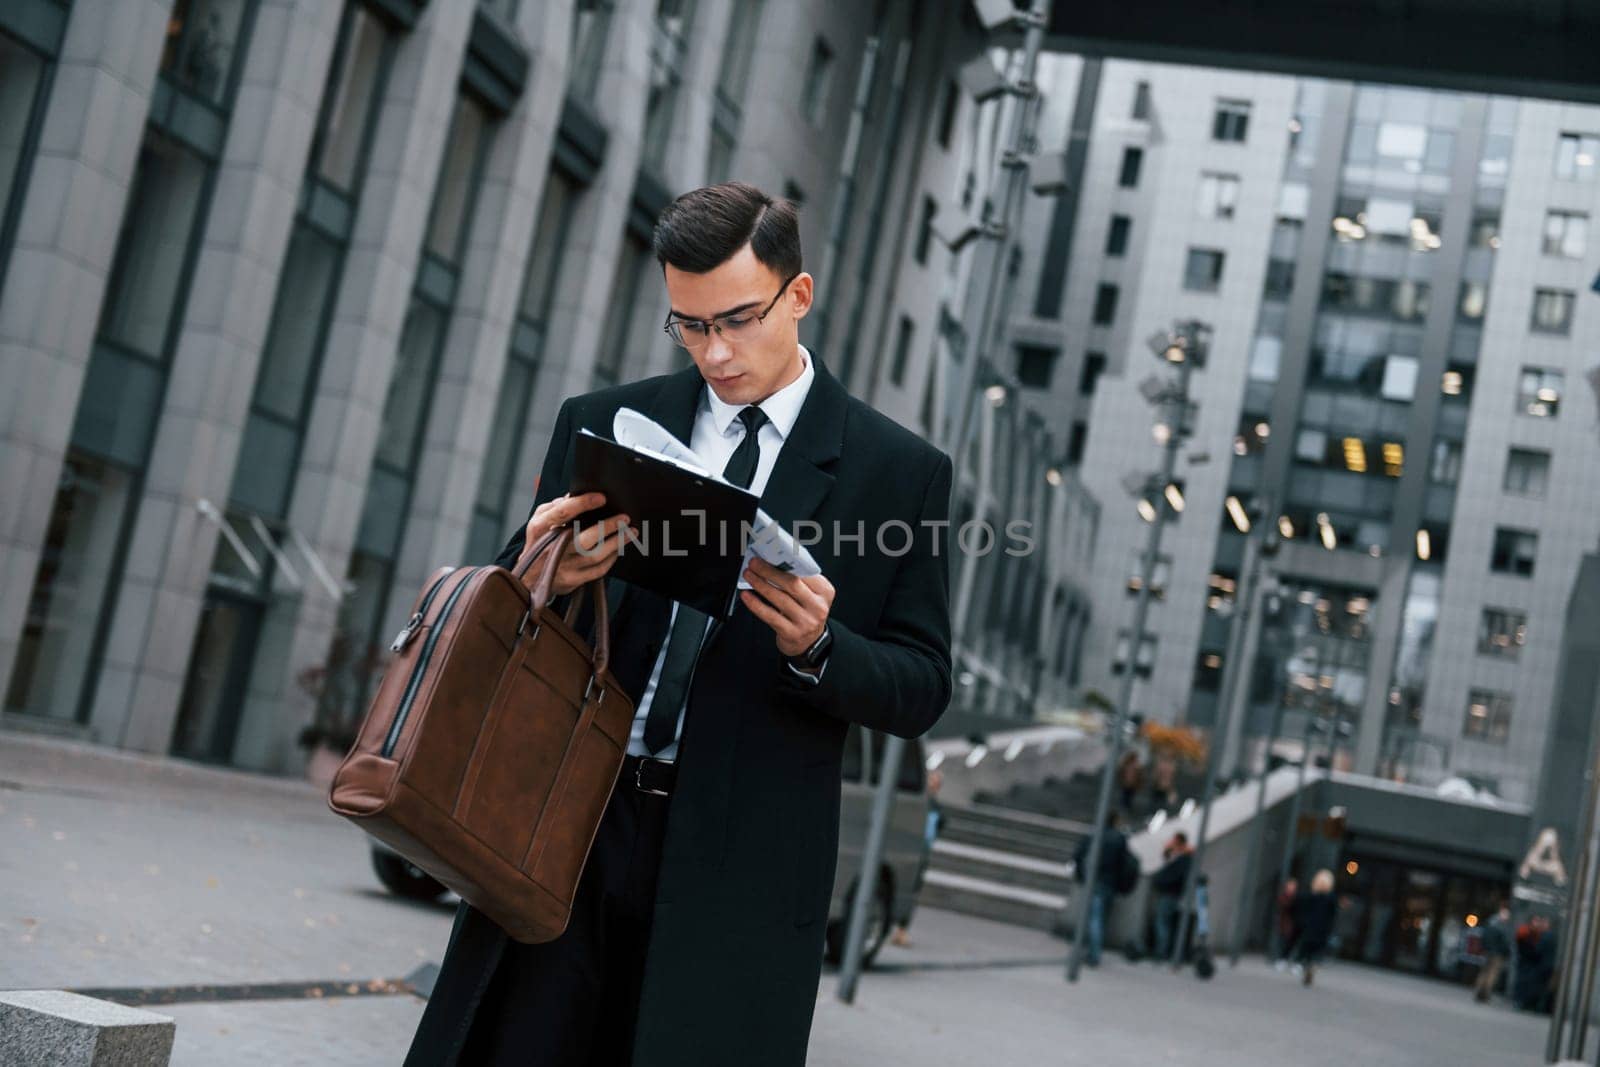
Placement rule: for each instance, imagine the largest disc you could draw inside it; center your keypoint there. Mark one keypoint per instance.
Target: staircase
(1002, 864)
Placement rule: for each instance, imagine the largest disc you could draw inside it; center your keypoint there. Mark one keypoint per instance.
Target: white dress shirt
(716, 434)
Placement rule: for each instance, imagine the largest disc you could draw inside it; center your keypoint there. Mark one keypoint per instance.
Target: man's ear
(801, 293)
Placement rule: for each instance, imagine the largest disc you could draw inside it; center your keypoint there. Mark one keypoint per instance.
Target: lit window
(1578, 156)
(1488, 716)
(1502, 633)
(1539, 392)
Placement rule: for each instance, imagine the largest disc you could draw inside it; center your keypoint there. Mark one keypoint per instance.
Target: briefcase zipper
(409, 630)
(421, 667)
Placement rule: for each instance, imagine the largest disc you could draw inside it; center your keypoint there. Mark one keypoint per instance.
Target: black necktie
(689, 626)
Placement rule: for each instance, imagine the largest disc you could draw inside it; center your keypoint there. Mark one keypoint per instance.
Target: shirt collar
(782, 408)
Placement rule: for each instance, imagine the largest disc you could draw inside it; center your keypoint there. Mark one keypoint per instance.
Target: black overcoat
(747, 869)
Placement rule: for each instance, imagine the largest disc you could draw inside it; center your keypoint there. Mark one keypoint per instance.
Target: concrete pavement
(132, 873)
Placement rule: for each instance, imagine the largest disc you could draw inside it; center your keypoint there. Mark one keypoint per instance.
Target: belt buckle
(638, 777)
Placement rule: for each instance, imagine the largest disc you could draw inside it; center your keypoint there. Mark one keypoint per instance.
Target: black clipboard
(692, 527)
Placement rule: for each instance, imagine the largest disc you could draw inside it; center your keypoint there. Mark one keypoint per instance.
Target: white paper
(769, 540)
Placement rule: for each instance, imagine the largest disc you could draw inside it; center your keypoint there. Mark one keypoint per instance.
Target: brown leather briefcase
(493, 743)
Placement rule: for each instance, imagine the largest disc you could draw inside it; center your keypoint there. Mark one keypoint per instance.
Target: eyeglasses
(733, 327)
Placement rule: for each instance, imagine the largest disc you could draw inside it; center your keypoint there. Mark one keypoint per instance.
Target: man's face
(766, 355)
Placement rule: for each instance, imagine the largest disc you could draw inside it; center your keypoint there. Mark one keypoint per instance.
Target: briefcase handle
(547, 554)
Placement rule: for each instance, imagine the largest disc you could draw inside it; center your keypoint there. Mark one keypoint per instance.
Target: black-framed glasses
(732, 327)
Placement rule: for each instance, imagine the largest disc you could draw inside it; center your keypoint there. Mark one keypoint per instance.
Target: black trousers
(573, 1002)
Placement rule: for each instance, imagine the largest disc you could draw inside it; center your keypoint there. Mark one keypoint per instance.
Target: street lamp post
(1233, 670)
(1013, 167)
(1186, 348)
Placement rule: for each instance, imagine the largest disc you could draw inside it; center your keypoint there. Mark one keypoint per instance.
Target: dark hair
(1181, 838)
(703, 228)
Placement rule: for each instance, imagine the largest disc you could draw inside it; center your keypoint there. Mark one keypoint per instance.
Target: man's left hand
(796, 608)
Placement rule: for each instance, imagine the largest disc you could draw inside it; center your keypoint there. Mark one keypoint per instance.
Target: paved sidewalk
(135, 873)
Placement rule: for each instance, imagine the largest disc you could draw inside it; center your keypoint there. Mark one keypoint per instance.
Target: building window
(1404, 299)
(1105, 304)
(1036, 365)
(1132, 160)
(930, 208)
(737, 51)
(87, 519)
(203, 38)
(1485, 232)
(1208, 671)
(591, 25)
(1527, 472)
(1474, 301)
(1513, 552)
(1578, 156)
(618, 328)
(819, 72)
(1202, 271)
(458, 181)
(1094, 365)
(902, 350)
(1117, 235)
(1445, 466)
(1488, 716)
(1566, 234)
(1552, 310)
(1232, 121)
(1502, 633)
(1219, 195)
(1539, 392)
(1077, 439)
(1141, 101)
(1280, 279)
(948, 111)
(19, 102)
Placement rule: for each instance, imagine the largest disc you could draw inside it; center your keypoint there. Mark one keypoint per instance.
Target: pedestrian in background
(1109, 879)
(930, 833)
(1168, 884)
(1285, 920)
(1496, 950)
(1130, 777)
(1314, 912)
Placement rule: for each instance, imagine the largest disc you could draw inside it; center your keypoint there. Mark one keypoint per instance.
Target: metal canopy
(1540, 48)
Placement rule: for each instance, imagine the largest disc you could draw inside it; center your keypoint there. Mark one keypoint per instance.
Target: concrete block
(49, 1026)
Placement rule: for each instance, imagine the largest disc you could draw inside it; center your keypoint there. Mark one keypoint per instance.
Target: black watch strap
(813, 657)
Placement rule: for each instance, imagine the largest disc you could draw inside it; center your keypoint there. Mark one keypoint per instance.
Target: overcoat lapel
(801, 478)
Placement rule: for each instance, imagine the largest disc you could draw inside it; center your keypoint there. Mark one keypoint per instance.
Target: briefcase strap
(548, 554)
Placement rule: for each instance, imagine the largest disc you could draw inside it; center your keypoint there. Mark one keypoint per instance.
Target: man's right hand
(589, 555)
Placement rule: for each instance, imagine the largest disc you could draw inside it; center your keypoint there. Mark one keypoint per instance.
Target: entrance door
(219, 667)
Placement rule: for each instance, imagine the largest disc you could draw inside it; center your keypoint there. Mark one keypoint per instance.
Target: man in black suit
(697, 934)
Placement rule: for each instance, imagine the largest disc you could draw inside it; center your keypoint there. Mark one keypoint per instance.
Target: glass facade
(237, 594)
(358, 643)
(113, 429)
(496, 493)
(22, 78)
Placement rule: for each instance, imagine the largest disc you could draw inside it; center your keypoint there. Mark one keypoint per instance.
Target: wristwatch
(813, 658)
